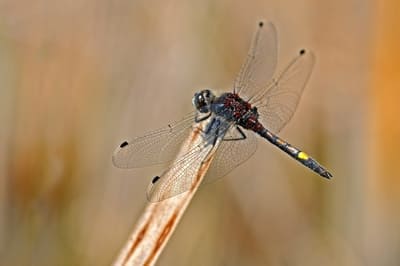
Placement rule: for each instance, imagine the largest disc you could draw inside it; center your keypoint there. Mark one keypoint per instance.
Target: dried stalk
(160, 219)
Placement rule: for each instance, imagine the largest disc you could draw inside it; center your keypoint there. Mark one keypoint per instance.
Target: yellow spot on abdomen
(302, 155)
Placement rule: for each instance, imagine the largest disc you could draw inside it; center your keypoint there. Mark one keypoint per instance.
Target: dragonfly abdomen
(295, 153)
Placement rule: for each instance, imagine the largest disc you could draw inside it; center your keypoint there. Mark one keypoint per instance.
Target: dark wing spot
(155, 179)
(302, 51)
(123, 144)
(260, 24)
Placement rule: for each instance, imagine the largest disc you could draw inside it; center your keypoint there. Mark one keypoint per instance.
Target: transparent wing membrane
(260, 64)
(159, 146)
(228, 156)
(185, 170)
(231, 154)
(277, 103)
(276, 99)
(179, 177)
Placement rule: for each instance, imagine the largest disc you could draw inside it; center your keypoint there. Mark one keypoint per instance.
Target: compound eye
(201, 99)
(207, 93)
(200, 102)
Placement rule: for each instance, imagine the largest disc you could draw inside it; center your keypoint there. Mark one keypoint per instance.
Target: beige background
(77, 77)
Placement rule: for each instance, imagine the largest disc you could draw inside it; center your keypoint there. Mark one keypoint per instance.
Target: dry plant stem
(158, 221)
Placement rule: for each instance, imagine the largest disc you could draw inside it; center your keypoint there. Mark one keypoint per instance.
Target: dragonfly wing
(156, 147)
(231, 154)
(278, 102)
(180, 176)
(260, 63)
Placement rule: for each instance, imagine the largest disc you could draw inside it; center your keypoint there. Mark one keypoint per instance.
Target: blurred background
(78, 77)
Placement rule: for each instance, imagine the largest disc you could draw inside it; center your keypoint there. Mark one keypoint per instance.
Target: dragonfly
(261, 103)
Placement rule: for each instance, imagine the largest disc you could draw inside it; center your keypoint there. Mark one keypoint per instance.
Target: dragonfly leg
(198, 118)
(241, 137)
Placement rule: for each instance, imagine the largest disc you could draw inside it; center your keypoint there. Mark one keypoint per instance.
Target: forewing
(179, 177)
(260, 63)
(278, 102)
(156, 147)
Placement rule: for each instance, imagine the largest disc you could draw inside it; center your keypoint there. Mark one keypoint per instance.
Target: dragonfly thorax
(234, 108)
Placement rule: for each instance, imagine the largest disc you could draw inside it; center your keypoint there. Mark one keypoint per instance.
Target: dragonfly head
(202, 100)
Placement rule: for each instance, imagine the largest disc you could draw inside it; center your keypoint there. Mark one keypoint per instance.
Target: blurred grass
(77, 77)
